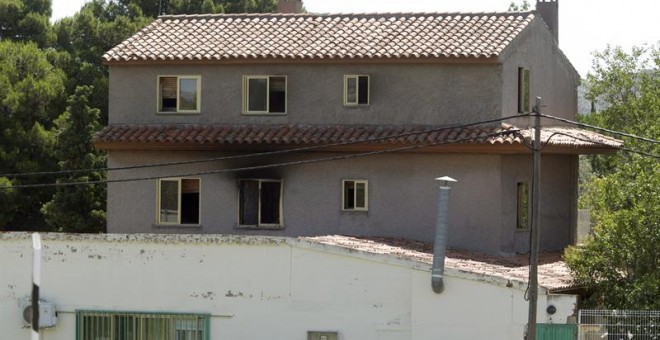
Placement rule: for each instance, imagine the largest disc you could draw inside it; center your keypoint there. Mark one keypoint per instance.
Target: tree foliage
(619, 262)
(78, 208)
(26, 21)
(31, 95)
(154, 8)
(514, 7)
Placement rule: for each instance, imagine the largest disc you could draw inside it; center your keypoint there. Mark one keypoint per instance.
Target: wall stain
(230, 294)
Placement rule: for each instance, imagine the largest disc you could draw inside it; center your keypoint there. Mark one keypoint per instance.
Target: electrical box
(47, 316)
(322, 336)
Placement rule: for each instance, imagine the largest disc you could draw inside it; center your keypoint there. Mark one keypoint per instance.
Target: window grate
(102, 325)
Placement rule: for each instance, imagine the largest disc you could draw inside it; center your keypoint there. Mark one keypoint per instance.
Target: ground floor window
(97, 325)
(355, 195)
(522, 213)
(260, 202)
(178, 201)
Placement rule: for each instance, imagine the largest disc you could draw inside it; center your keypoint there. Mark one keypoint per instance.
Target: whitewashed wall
(261, 288)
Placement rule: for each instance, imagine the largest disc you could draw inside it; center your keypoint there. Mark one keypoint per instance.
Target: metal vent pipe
(440, 243)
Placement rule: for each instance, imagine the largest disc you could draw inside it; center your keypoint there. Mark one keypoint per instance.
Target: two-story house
(315, 124)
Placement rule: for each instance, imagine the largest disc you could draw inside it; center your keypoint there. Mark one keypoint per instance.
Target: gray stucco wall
(402, 197)
(410, 94)
(558, 201)
(552, 76)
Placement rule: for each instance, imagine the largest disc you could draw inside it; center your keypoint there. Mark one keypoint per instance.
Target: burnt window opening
(260, 202)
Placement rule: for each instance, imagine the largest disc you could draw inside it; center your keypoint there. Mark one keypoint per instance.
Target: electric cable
(614, 132)
(258, 167)
(268, 153)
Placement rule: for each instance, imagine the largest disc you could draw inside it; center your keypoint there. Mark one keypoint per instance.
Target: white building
(243, 287)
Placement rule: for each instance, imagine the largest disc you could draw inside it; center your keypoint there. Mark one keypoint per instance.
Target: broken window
(178, 201)
(264, 94)
(260, 202)
(355, 195)
(356, 90)
(179, 94)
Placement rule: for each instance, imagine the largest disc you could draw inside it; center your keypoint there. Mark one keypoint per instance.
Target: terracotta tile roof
(145, 136)
(321, 36)
(553, 273)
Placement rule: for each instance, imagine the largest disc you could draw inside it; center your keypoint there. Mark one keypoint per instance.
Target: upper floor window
(179, 94)
(264, 94)
(356, 90)
(178, 201)
(523, 90)
(355, 195)
(260, 202)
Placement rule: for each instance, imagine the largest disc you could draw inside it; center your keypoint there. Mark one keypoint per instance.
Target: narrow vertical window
(356, 90)
(264, 94)
(178, 201)
(260, 202)
(355, 195)
(179, 94)
(522, 215)
(523, 90)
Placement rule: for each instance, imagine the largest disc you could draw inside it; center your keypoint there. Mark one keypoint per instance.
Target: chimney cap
(445, 179)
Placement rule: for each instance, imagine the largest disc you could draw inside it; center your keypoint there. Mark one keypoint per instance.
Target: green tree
(79, 208)
(31, 97)
(514, 7)
(26, 20)
(154, 8)
(620, 262)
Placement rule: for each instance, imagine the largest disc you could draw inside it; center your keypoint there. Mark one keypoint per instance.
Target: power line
(597, 128)
(257, 167)
(269, 153)
(639, 152)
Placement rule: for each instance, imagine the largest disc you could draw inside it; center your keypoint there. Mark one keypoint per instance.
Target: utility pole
(536, 224)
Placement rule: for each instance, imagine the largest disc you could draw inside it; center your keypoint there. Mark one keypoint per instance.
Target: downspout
(440, 243)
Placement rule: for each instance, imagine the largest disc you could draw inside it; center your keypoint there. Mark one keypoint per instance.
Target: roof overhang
(503, 139)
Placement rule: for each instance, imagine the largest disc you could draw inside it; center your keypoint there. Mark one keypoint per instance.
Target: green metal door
(547, 331)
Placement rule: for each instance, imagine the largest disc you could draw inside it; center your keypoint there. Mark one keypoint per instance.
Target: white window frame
(179, 187)
(197, 78)
(246, 94)
(280, 207)
(366, 195)
(524, 90)
(357, 89)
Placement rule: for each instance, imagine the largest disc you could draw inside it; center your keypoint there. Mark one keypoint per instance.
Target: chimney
(549, 11)
(289, 6)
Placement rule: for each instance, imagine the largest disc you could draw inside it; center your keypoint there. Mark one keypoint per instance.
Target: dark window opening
(363, 90)
(277, 95)
(168, 94)
(260, 202)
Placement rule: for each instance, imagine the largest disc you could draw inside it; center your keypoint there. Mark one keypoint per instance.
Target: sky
(585, 26)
